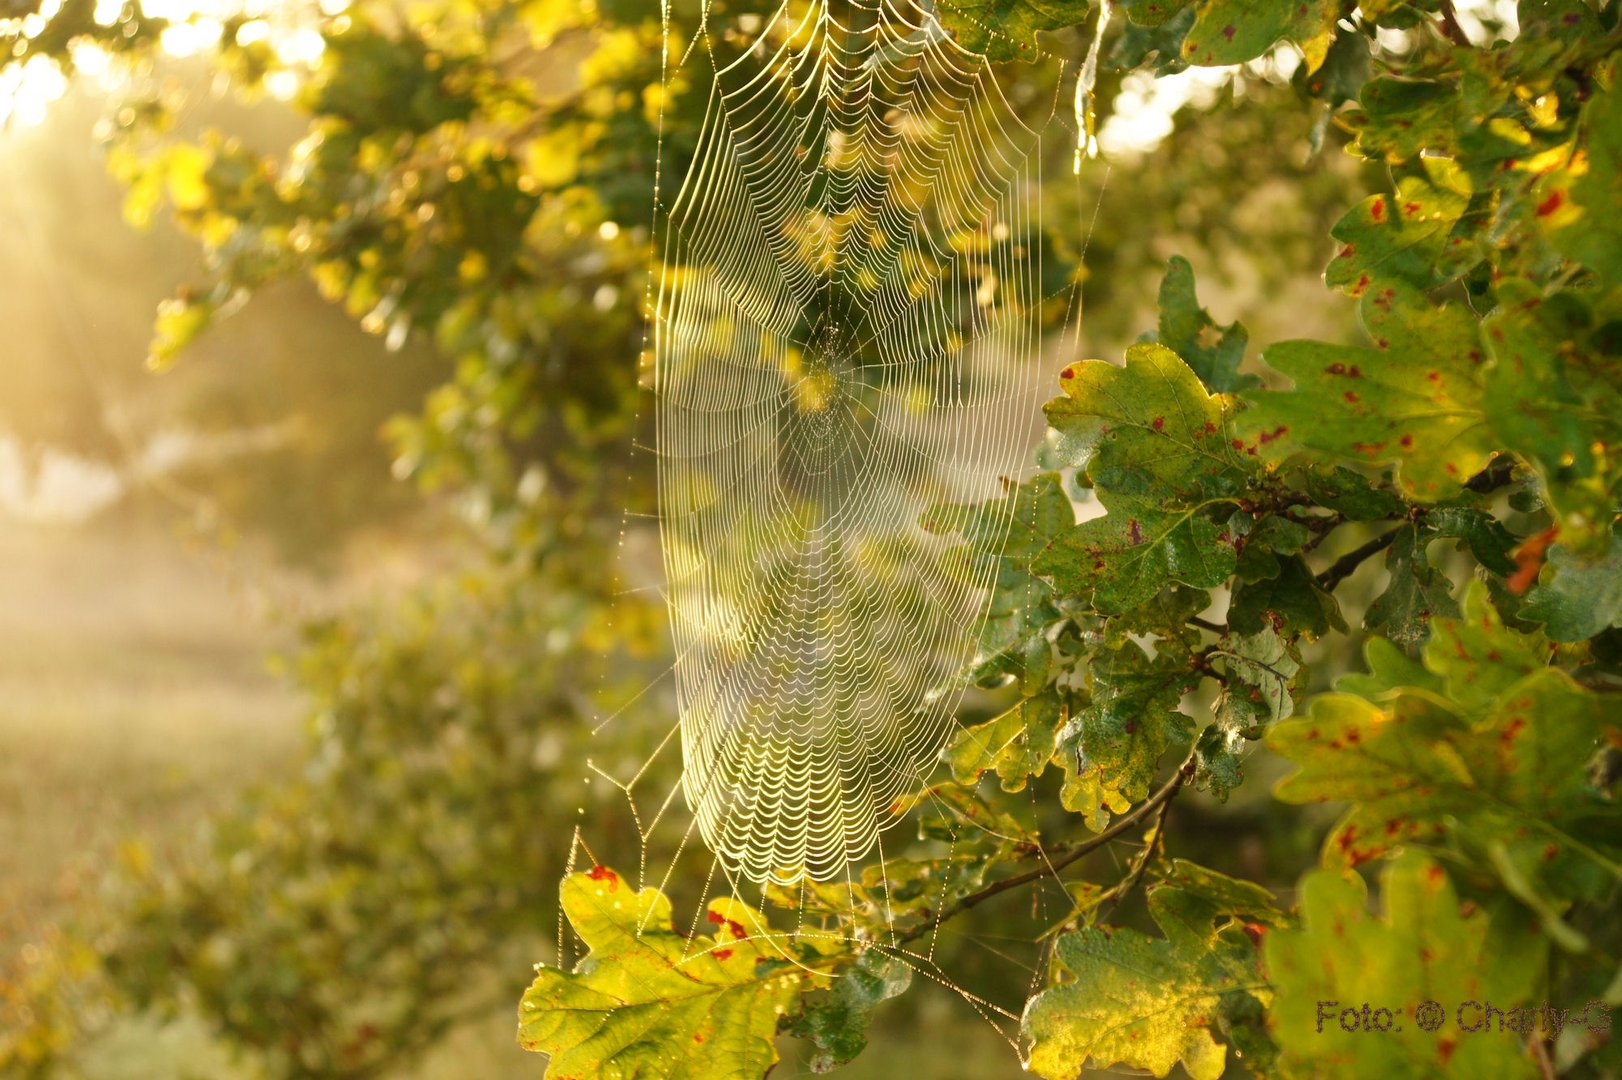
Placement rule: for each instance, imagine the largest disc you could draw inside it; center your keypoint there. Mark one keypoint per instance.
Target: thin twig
(1052, 867)
(1347, 563)
(1450, 25)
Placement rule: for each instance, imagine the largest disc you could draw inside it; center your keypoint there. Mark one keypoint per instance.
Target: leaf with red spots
(1418, 396)
(1233, 31)
(1105, 423)
(1585, 225)
(647, 1001)
(1398, 118)
(1407, 237)
(1126, 557)
(1111, 749)
(1421, 947)
(1151, 1003)
(1007, 29)
(1492, 755)
(1157, 449)
(1478, 657)
(1551, 395)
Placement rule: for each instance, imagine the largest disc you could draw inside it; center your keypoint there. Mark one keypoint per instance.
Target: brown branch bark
(1051, 867)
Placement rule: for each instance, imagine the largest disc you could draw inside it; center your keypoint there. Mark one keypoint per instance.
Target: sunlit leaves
(1155, 445)
(1548, 396)
(647, 1000)
(1007, 29)
(1414, 399)
(1127, 556)
(1233, 31)
(1412, 236)
(1590, 231)
(1400, 117)
(1152, 1003)
(1347, 982)
(1501, 756)
(1016, 745)
(1145, 428)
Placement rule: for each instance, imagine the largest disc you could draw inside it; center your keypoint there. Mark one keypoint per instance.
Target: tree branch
(1450, 25)
(1052, 867)
(1343, 567)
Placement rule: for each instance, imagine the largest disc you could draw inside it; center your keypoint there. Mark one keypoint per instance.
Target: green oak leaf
(1338, 80)
(1390, 670)
(1550, 395)
(1006, 29)
(1148, 427)
(1478, 657)
(1017, 745)
(1130, 554)
(1424, 948)
(1111, 749)
(1290, 598)
(1581, 597)
(1416, 593)
(1351, 494)
(1156, 448)
(1199, 908)
(837, 1022)
(1417, 767)
(1006, 534)
(647, 1001)
(1265, 540)
(1152, 1003)
(1408, 237)
(1213, 351)
(1397, 118)
(1260, 673)
(1233, 31)
(1156, 46)
(1479, 531)
(1414, 400)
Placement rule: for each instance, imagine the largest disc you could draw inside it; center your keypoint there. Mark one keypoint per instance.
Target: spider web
(847, 336)
(848, 313)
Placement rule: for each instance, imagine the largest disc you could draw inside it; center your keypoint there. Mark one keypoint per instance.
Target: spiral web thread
(848, 318)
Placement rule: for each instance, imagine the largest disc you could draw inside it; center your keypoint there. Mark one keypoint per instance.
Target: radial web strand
(848, 323)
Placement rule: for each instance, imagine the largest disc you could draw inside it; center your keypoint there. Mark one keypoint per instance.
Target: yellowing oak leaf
(649, 1002)
(1413, 400)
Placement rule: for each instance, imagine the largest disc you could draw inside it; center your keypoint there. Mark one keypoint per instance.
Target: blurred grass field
(134, 698)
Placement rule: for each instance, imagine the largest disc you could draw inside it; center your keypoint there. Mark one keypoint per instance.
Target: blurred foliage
(481, 174)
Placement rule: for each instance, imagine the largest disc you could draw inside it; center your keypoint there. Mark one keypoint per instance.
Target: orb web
(848, 320)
